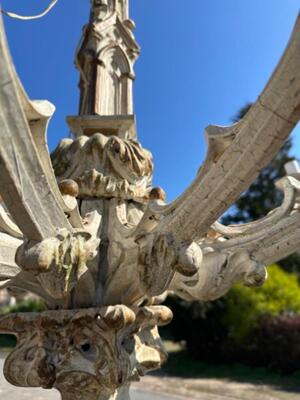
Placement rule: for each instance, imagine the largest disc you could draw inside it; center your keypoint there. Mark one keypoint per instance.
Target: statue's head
(99, 3)
(99, 9)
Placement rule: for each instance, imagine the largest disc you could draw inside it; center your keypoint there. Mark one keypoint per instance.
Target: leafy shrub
(229, 330)
(244, 306)
(275, 343)
(29, 305)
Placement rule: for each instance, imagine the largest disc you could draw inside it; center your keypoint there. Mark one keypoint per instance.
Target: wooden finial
(69, 187)
(157, 194)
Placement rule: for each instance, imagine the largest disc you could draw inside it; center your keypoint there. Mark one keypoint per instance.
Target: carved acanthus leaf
(160, 257)
(58, 263)
(109, 166)
(95, 184)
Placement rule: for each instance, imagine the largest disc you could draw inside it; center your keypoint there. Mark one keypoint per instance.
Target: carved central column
(105, 57)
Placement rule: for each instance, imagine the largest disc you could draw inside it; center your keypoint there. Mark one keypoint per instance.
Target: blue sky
(201, 61)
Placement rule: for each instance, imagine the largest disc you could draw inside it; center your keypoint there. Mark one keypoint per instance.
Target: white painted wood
(8, 248)
(103, 248)
(23, 180)
(7, 225)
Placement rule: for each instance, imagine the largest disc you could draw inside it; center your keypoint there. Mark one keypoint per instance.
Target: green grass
(181, 365)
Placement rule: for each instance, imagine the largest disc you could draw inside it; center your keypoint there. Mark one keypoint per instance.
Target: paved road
(9, 392)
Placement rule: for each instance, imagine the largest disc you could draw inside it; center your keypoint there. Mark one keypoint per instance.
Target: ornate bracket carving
(88, 353)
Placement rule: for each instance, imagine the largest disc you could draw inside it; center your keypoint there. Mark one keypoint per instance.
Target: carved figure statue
(105, 58)
(87, 232)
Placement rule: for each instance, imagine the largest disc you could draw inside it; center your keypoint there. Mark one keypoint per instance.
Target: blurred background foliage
(24, 305)
(247, 326)
(280, 295)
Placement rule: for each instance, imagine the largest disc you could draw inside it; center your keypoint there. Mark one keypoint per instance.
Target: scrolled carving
(96, 350)
(218, 273)
(161, 256)
(128, 159)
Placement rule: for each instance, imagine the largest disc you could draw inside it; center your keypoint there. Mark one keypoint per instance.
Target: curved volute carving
(89, 354)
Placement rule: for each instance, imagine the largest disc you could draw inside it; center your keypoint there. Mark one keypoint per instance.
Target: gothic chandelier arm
(7, 225)
(291, 188)
(242, 255)
(283, 240)
(237, 154)
(8, 246)
(30, 17)
(27, 183)
(225, 265)
(58, 244)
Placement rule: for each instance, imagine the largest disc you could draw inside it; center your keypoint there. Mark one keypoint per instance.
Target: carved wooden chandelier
(87, 232)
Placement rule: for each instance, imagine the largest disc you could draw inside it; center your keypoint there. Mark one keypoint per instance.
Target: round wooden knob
(157, 194)
(130, 24)
(69, 187)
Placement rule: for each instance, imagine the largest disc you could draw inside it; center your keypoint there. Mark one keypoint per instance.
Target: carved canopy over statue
(100, 9)
(105, 58)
